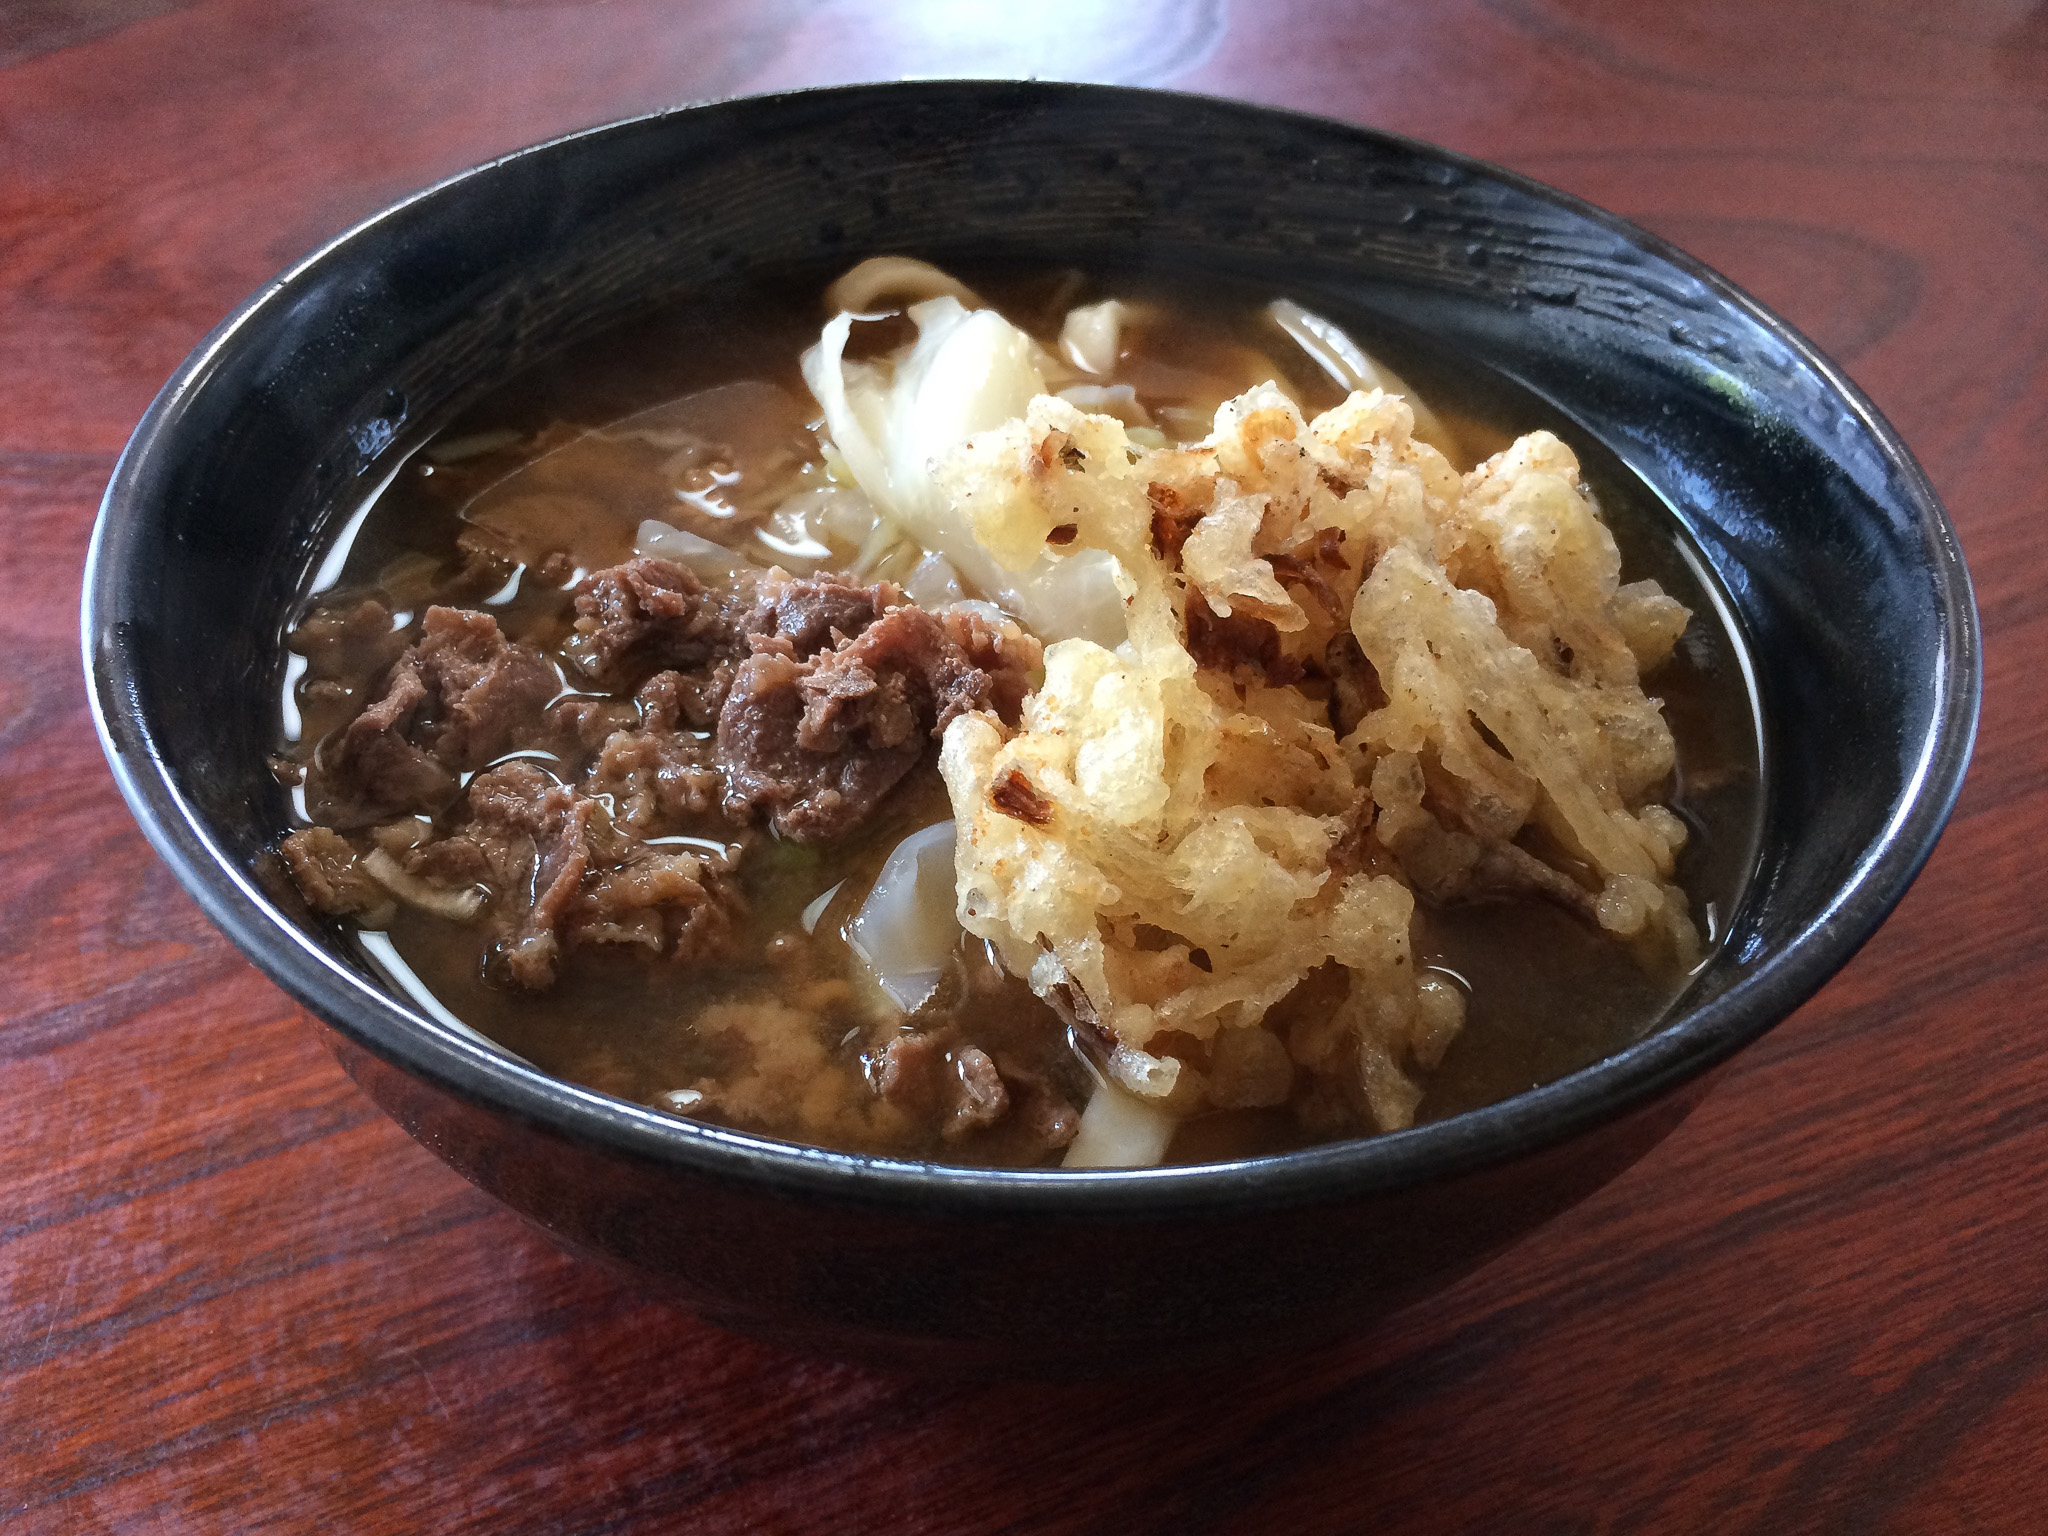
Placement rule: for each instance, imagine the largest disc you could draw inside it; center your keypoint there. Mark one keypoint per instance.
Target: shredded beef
(346, 643)
(677, 904)
(809, 795)
(670, 699)
(933, 1077)
(452, 701)
(998, 647)
(980, 1099)
(648, 615)
(1041, 1111)
(806, 701)
(562, 875)
(659, 780)
(533, 835)
(815, 615)
(577, 726)
(906, 1071)
(817, 744)
(484, 689)
(905, 660)
(375, 770)
(325, 868)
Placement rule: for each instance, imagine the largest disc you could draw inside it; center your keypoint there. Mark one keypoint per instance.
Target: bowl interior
(1835, 556)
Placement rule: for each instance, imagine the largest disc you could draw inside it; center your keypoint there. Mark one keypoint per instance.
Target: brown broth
(1546, 995)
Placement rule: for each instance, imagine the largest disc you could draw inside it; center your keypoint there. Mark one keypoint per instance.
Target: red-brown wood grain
(233, 1297)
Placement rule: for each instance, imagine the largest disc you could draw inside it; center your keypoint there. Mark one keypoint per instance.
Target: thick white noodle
(1120, 1130)
(457, 906)
(687, 549)
(1093, 336)
(1355, 368)
(899, 278)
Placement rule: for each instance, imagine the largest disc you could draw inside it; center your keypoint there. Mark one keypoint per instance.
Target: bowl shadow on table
(824, 1266)
(716, 1422)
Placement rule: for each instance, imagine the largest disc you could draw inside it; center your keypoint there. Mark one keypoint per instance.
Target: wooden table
(234, 1297)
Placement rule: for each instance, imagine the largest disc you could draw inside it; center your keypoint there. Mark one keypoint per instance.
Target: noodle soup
(1065, 722)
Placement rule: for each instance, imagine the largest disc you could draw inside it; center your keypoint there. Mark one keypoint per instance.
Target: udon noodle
(1070, 730)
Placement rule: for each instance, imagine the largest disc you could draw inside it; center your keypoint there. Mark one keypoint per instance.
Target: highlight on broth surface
(1137, 736)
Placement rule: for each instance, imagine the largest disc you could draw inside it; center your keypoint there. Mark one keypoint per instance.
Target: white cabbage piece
(970, 371)
(905, 930)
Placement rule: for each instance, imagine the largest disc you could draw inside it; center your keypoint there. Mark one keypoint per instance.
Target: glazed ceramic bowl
(1838, 561)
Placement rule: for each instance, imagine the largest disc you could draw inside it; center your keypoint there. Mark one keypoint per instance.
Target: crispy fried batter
(1193, 844)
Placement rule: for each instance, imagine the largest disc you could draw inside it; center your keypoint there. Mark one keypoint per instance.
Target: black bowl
(1838, 559)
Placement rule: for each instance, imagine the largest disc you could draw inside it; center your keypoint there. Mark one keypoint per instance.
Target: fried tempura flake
(1169, 846)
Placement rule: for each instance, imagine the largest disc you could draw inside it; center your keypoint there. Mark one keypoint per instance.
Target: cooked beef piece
(348, 643)
(649, 615)
(683, 905)
(809, 795)
(560, 875)
(450, 703)
(483, 690)
(823, 695)
(818, 743)
(533, 836)
(998, 647)
(815, 615)
(575, 727)
(329, 876)
(671, 699)
(906, 1070)
(1045, 1117)
(979, 1099)
(934, 1078)
(371, 769)
(659, 780)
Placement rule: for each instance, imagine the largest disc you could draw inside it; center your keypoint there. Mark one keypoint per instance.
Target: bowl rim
(1687, 1047)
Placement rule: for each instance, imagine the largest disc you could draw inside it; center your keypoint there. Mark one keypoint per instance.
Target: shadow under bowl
(1835, 554)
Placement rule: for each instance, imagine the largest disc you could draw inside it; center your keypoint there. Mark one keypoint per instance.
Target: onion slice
(905, 930)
